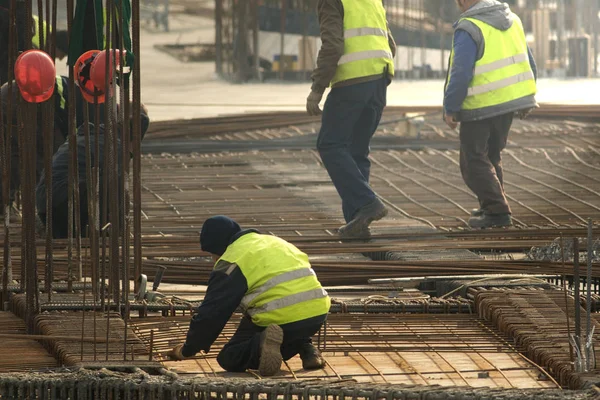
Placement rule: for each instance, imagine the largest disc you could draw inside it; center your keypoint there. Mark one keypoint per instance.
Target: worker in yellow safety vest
(273, 284)
(491, 76)
(61, 38)
(357, 60)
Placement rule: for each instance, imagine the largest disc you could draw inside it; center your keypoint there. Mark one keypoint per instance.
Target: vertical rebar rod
(83, 313)
(588, 299)
(29, 153)
(564, 282)
(7, 154)
(577, 299)
(96, 201)
(108, 305)
(72, 149)
(40, 27)
(125, 154)
(137, 143)
(49, 151)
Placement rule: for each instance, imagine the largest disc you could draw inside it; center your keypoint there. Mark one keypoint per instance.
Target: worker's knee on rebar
(228, 362)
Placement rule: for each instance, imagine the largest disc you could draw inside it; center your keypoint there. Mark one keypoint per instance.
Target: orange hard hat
(82, 71)
(35, 75)
(98, 70)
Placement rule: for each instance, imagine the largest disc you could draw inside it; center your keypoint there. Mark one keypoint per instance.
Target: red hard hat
(35, 75)
(82, 71)
(98, 71)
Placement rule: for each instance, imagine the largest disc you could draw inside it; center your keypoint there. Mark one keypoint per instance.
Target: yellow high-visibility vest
(282, 287)
(61, 92)
(366, 47)
(35, 40)
(503, 74)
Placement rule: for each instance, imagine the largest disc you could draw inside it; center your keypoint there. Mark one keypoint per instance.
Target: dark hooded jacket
(60, 165)
(469, 47)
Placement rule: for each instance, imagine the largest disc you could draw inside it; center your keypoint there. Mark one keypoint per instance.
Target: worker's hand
(312, 103)
(451, 121)
(175, 354)
(523, 114)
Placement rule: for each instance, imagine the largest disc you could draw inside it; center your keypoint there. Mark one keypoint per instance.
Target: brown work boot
(373, 211)
(311, 357)
(270, 350)
(364, 234)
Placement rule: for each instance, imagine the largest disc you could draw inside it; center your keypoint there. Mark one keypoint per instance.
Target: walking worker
(357, 60)
(273, 283)
(492, 75)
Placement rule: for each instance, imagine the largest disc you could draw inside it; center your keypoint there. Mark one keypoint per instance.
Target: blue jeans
(350, 118)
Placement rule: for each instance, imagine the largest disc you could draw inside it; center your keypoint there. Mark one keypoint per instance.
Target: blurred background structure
(266, 39)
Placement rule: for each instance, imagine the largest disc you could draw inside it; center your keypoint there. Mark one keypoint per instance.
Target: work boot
(490, 221)
(477, 212)
(366, 235)
(311, 357)
(270, 350)
(373, 211)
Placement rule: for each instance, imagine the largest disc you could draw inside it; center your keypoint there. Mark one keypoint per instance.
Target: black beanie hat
(216, 234)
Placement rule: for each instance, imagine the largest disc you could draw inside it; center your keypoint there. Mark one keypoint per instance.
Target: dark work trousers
(60, 217)
(481, 144)
(243, 350)
(350, 118)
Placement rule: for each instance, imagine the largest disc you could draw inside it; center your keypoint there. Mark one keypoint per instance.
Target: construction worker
(271, 280)
(357, 60)
(60, 97)
(492, 75)
(60, 178)
(61, 38)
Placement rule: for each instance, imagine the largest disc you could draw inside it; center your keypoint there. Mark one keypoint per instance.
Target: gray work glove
(523, 114)
(312, 103)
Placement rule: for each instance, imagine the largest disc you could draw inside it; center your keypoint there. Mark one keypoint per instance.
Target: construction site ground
(455, 333)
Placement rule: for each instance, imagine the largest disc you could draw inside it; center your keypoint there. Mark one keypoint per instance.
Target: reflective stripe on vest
(350, 33)
(60, 92)
(277, 280)
(502, 83)
(503, 73)
(366, 46)
(289, 301)
(505, 62)
(364, 55)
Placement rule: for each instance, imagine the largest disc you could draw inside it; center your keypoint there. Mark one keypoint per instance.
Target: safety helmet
(35, 75)
(82, 71)
(98, 70)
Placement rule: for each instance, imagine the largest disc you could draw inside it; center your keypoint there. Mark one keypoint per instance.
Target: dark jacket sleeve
(331, 22)
(532, 62)
(461, 74)
(226, 288)
(392, 42)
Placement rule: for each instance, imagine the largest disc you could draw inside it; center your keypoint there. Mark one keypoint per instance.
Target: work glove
(522, 114)
(312, 103)
(175, 354)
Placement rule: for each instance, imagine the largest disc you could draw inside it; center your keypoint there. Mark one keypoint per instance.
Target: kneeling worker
(273, 283)
(60, 177)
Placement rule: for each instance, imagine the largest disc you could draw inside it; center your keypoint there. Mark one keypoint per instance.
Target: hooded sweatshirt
(469, 46)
